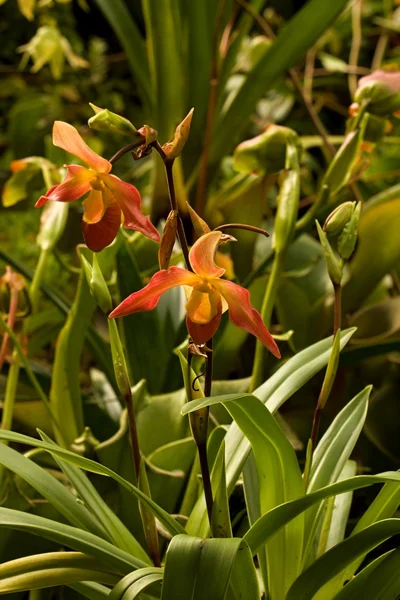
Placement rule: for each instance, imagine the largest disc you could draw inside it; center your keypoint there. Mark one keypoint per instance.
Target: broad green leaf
(93, 467)
(71, 537)
(117, 14)
(341, 508)
(336, 559)
(368, 266)
(271, 522)
(91, 590)
(202, 568)
(289, 378)
(379, 580)
(295, 38)
(65, 393)
(332, 452)
(108, 520)
(133, 584)
(52, 490)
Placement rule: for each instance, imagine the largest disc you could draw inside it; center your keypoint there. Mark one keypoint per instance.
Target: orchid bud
(335, 269)
(118, 358)
(52, 224)
(168, 239)
(380, 92)
(337, 220)
(174, 148)
(97, 285)
(105, 120)
(348, 237)
(266, 153)
(199, 225)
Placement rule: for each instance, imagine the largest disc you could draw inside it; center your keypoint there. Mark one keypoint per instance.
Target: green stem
(10, 393)
(34, 290)
(266, 314)
(337, 308)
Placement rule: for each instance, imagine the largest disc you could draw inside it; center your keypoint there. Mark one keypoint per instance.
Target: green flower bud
(118, 358)
(339, 170)
(335, 269)
(97, 285)
(380, 91)
(52, 224)
(348, 237)
(105, 120)
(336, 221)
(266, 153)
(288, 202)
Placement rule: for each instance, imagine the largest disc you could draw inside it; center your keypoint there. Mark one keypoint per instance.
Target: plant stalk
(34, 289)
(266, 314)
(10, 393)
(133, 434)
(337, 308)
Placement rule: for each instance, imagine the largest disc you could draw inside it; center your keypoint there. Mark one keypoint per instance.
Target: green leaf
(341, 509)
(51, 569)
(132, 42)
(51, 489)
(293, 41)
(332, 453)
(65, 393)
(289, 378)
(221, 521)
(135, 583)
(379, 580)
(336, 559)
(91, 590)
(93, 467)
(71, 537)
(202, 568)
(108, 520)
(272, 521)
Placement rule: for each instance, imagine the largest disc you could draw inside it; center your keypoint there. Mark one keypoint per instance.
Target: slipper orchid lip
(205, 304)
(101, 221)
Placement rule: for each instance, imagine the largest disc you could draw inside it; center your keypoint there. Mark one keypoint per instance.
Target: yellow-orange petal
(243, 315)
(101, 234)
(73, 187)
(202, 255)
(203, 306)
(67, 137)
(148, 297)
(94, 207)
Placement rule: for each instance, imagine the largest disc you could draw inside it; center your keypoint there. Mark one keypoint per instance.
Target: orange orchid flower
(209, 296)
(108, 195)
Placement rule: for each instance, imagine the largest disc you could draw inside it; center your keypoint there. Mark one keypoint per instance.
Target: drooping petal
(75, 185)
(148, 297)
(67, 137)
(128, 198)
(202, 333)
(202, 255)
(243, 315)
(101, 234)
(94, 207)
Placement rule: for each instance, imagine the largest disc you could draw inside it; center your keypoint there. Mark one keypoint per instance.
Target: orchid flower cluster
(108, 202)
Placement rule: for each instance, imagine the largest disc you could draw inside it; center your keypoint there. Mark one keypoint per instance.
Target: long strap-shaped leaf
(93, 467)
(72, 537)
(201, 569)
(336, 559)
(118, 533)
(91, 590)
(302, 31)
(272, 521)
(135, 583)
(281, 386)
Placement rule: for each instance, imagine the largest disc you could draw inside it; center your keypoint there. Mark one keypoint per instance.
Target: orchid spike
(209, 296)
(108, 195)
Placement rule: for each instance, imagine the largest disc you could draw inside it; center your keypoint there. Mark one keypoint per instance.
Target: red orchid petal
(75, 185)
(200, 334)
(202, 255)
(67, 137)
(130, 202)
(148, 297)
(101, 234)
(243, 315)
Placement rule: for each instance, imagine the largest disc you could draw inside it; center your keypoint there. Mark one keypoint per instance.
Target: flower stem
(34, 289)
(266, 313)
(205, 471)
(10, 392)
(337, 308)
(125, 150)
(242, 226)
(133, 434)
(174, 206)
